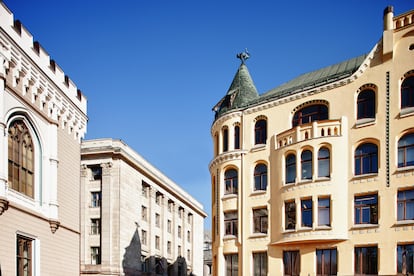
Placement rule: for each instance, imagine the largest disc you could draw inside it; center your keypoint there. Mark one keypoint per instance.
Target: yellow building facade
(316, 177)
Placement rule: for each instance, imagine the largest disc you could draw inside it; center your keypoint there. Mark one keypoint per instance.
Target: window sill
(305, 229)
(364, 226)
(289, 231)
(305, 181)
(364, 122)
(229, 237)
(401, 223)
(405, 112)
(257, 235)
(367, 175)
(404, 169)
(258, 192)
(258, 147)
(323, 227)
(323, 178)
(229, 196)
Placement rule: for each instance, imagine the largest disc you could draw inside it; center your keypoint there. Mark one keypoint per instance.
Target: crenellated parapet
(29, 71)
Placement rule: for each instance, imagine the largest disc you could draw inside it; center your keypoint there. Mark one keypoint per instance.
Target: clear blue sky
(152, 70)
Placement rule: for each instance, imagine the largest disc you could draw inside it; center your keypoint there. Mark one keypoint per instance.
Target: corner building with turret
(316, 176)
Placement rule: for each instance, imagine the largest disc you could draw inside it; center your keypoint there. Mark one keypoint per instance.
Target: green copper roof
(315, 78)
(243, 93)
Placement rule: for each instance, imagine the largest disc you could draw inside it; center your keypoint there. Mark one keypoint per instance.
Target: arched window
(366, 104)
(216, 142)
(324, 162)
(231, 181)
(407, 92)
(21, 158)
(366, 159)
(309, 114)
(406, 150)
(260, 133)
(306, 162)
(237, 137)
(225, 139)
(260, 177)
(290, 168)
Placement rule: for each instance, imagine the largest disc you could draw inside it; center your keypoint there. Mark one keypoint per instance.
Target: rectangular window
(95, 255)
(188, 236)
(405, 259)
(290, 215)
(260, 264)
(168, 247)
(158, 198)
(157, 220)
(169, 226)
(324, 211)
(405, 205)
(179, 232)
(189, 218)
(95, 199)
(95, 226)
(24, 257)
(326, 262)
(366, 260)
(230, 223)
(179, 250)
(232, 264)
(170, 205)
(145, 189)
(143, 237)
(180, 212)
(366, 209)
(260, 220)
(96, 173)
(306, 206)
(291, 263)
(144, 213)
(188, 255)
(157, 242)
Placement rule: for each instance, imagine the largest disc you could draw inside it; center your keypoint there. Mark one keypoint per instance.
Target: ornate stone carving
(4, 205)
(54, 225)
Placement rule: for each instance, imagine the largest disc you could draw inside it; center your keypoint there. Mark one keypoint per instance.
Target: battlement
(32, 70)
(38, 54)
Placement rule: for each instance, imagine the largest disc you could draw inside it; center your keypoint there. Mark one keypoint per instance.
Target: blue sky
(152, 70)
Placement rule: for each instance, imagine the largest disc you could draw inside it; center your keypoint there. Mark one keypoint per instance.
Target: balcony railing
(309, 131)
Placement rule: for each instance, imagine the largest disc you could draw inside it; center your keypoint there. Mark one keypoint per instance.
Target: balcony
(317, 129)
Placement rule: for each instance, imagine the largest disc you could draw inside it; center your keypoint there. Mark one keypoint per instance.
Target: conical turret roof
(242, 91)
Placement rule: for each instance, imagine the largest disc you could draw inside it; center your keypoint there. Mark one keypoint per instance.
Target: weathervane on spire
(243, 56)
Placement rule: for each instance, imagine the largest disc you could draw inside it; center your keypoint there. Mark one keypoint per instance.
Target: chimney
(388, 15)
(388, 34)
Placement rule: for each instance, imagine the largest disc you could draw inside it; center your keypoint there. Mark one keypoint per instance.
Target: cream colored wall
(342, 185)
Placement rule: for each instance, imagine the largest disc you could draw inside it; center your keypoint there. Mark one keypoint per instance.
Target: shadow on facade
(136, 263)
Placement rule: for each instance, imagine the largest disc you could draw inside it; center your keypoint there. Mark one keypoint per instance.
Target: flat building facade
(316, 176)
(134, 219)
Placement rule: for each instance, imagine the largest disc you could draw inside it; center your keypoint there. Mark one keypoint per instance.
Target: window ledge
(364, 226)
(229, 237)
(366, 175)
(305, 181)
(323, 227)
(323, 178)
(405, 112)
(258, 192)
(400, 223)
(229, 196)
(404, 169)
(258, 147)
(289, 231)
(258, 235)
(364, 122)
(305, 229)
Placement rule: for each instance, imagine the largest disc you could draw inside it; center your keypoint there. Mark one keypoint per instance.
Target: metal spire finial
(243, 56)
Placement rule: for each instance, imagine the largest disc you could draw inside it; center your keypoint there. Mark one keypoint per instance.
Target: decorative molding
(54, 225)
(4, 205)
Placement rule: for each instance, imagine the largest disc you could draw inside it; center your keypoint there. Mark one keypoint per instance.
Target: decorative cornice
(228, 156)
(219, 121)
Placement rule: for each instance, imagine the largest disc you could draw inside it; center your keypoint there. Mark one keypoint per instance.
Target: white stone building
(42, 120)
(134, 219)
